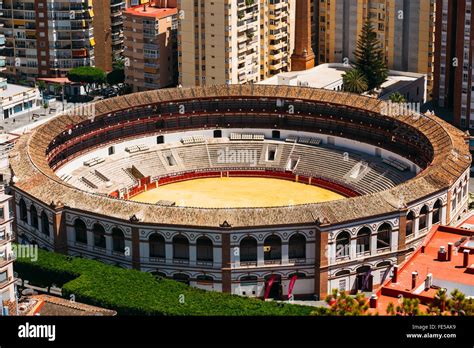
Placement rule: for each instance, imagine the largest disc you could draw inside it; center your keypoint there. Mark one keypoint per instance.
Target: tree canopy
(354, 81)
(369, 56)
(87, 75)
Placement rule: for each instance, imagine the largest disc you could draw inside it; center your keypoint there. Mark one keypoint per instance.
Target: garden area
(132, 292)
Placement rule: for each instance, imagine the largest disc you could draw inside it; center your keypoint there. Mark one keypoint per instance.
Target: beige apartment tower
(405, 29)
(233, 41)
(46, 38)
(150, 46)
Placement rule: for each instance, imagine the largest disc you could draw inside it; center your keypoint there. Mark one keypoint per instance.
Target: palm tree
(458, 304)
(440, 300)
(397, 98)
(390, 309)
(409, 307)
(42, 87)
(342, 304)
(354, 81)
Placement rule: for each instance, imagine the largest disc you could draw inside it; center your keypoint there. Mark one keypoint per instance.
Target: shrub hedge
(132, 292)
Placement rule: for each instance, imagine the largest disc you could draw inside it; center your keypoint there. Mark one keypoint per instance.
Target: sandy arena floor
(237, 192)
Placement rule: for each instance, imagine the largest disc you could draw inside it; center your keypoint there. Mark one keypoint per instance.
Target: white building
(7, 279)
(16, 100)
(329, 76)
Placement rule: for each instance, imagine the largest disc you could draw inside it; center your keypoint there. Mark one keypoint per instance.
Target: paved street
(18, 122)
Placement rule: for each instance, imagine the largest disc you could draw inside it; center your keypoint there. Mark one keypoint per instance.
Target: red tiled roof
(427, 262)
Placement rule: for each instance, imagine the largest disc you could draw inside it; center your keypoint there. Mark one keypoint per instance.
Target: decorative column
(108, 244)
(234, 256)
(59, 228)
(90, 239)
(429, 222)
(169, 252)
(416, 225)
(353, 248)
(332, 253)
(136, 259)
(192, 254)
(260, 255)
(284, 254)
(226, 267)
(373, 243)
(394, 241)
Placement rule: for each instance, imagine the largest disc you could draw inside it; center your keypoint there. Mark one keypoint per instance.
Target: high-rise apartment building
(46, 38)
(233, 41)
(108, 30)
(453, 66)
(151, 46)
(404, 28)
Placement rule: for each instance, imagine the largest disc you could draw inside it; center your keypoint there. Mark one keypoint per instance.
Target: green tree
(397, 98)
(409, 307)
(42, 87)
(370, 58)
(118, 64)
(116, 77)
(88, 76)
(58, 89)
(354, 81)
(342, 304)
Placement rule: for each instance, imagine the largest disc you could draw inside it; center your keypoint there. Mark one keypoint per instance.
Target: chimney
(395, 274)
(414, 275)
(428, 281)
(373, 301)
(465, 260)
(450, 250)
(303, 55)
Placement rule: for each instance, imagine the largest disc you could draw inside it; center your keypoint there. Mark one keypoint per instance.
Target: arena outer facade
(60, 217)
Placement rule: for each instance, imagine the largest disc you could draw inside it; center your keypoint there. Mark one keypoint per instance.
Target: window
(248, 250)
(99, 236)
(436, 212)
(80, 230)
(272, 248)
(363, 240)
(343, 242)
(23, 211)
(181, 277)
(423, 219)
(157, 246)
(342, 285)
(180, 248)
(204, 249)
(383, 236)
(45, 223)
(297, 247)
(118, 240)
(410, 224)
(34, 217)
(3, 277)
(111, 150)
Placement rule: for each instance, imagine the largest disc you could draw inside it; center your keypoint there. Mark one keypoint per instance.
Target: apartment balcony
(82, 53)
(278, 6)
(7, 282)
(6, 260)
(277, 65)
(278, 25)
(6, 238)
